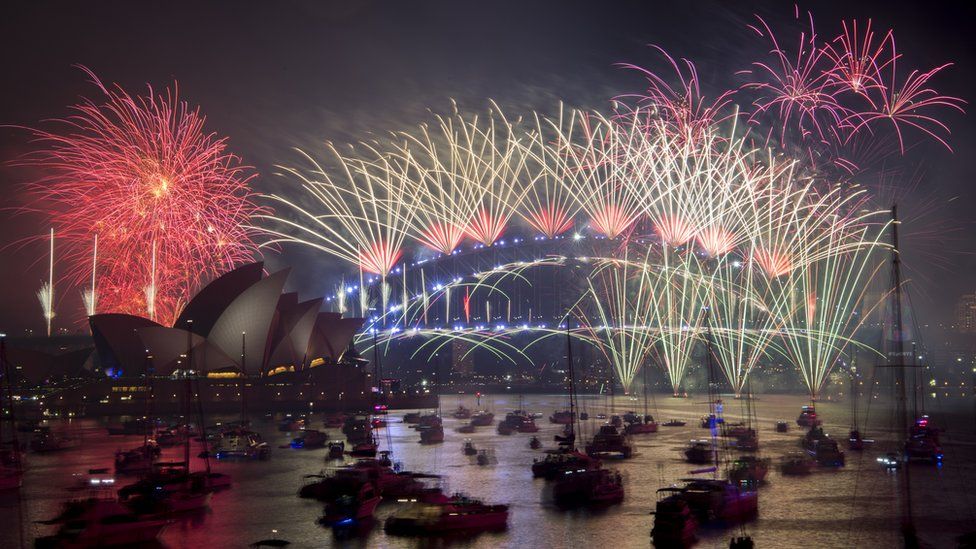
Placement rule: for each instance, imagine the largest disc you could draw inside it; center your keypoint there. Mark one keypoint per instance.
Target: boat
(707, 420)
(469, 449)
(564, 417)
(458, 514)
(718, 500)
(674, 523)
(432, 434)
(674, 423)
(466, 429)
(365, 448)
(461, 412)
(923, 442)
(700, 452)
(170, 437)
(168, 495)
(557, 462)
(505, 428)
(535, 443)
(46, 440)
(138, 459)
(588, 487)
(357, 427)
(482, 418)
(309, 439)
(138, 426)
(337, 449)
(808, 417)
(782, 427)
(241, 443)
(411, 417)
(890, 461)
(521, 421)
(749, 470)
(101, 521)
(641, 426)
(747, 440)
(289, 423)
(609, 442)
(796, 464)
(855, 442)
(827, 453)
(568, 436)
(486, 457)
(358, 505)
(349, 479)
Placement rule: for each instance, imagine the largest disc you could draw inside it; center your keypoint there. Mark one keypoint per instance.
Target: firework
(360, 210)
(548, 206)
(141, 169)
(906, 101)
(603, 163)
(682, 107)
(795, 86)
(824, 303)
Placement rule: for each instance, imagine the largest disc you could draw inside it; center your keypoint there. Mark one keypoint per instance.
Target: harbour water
(856, 506)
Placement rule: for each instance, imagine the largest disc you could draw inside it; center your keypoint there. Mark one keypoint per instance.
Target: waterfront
(853, 506)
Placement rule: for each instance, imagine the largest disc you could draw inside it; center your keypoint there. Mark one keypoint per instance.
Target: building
(240, 323)
(965, 321)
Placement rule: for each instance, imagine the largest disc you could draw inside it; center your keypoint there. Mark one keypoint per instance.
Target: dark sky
(276, 75)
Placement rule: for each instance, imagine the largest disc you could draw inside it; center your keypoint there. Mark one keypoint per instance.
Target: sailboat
(240, 442)
(173, 487)
(567, 457)
(645, 424)
(707, 500)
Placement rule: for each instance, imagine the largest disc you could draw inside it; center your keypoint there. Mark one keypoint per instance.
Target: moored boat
(609, 442)
(459, 514)
(796, 464)
(588, 487)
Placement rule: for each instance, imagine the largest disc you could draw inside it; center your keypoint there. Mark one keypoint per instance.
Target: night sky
(273, 76)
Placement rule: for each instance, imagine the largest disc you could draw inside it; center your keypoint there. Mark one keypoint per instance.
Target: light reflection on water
(854, 506)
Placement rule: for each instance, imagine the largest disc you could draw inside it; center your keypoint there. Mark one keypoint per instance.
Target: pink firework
(380, 258)
(683, 107)
(856, 58)
(795, 87)
(550, 220)
(486, 228)
(441, 237)
(142, 174)
(906, 102)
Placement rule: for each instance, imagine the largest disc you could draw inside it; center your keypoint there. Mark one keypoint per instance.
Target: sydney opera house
(240, 332)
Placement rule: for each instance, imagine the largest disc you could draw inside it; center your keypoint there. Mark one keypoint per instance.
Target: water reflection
(856, 505)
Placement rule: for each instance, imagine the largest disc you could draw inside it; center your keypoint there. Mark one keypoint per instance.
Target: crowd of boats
(721, 493)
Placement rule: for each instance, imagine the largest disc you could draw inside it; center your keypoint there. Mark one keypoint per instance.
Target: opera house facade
(240, 332)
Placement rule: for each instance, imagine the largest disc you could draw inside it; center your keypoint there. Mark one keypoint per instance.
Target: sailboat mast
(572, 382)
(898, 354)
(49, 313)
(243, 376)
(94, 296)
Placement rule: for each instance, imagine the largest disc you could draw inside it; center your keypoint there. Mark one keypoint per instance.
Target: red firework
(142, 174)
